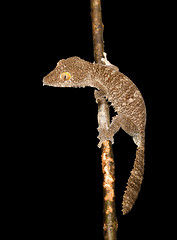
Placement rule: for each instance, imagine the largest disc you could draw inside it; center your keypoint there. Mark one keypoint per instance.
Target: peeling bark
(108, 169)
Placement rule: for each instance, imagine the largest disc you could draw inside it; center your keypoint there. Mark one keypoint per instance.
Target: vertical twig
(110, 224)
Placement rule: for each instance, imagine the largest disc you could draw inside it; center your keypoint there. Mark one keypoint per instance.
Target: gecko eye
(65, 76)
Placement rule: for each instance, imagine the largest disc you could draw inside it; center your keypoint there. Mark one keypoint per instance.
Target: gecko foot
(104, 135)
(105, 60)
(107, 63)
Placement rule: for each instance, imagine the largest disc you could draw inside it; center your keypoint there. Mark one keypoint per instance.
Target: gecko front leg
(99, 96)
(107, 63)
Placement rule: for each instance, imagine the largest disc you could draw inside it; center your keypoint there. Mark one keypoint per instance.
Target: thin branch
(110, 223)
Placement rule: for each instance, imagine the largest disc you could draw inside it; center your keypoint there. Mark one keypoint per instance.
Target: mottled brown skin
(125, 98)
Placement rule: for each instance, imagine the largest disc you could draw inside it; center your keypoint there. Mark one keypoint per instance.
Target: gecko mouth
(45, 82)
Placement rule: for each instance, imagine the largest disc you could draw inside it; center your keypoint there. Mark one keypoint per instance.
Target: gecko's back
(128, 102)
(124, 96)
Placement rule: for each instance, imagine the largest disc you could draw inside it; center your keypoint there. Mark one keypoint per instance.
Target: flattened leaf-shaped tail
(134, 181)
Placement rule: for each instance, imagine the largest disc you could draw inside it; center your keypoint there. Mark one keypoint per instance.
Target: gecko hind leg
(108, 133)
(119, 121)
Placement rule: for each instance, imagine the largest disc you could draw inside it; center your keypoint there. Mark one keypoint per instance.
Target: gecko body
(126, 100)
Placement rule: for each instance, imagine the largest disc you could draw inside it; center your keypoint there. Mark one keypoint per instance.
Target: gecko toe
(104, 135)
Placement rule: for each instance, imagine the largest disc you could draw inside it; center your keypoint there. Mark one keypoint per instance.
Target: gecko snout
(49, 79)
(45, 81)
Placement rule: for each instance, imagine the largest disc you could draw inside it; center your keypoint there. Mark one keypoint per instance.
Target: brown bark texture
(110, 224)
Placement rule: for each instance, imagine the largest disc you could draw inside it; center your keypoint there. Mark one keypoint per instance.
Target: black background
(59, 166)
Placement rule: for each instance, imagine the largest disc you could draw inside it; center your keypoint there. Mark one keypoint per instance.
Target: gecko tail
(134, 181)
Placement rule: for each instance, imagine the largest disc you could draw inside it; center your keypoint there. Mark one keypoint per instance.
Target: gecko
(124, 97)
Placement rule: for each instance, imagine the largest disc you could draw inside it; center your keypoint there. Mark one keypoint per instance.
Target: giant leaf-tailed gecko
(126, 100)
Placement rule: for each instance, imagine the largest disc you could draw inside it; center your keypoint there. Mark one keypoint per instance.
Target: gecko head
(70, 72)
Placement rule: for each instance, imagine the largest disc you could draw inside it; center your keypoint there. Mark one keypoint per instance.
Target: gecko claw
(103, 136)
